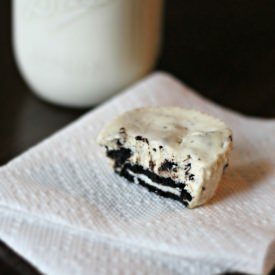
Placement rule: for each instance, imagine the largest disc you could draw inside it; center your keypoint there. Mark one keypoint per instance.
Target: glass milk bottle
(79, 52)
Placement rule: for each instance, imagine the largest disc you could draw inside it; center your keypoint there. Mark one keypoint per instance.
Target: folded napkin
(65, 211)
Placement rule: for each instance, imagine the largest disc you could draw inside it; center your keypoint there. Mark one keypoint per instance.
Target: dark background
(223, 49)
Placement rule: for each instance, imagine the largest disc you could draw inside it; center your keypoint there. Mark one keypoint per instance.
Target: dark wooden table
(224, 49)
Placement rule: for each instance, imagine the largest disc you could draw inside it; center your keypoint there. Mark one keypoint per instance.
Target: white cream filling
(173, 190)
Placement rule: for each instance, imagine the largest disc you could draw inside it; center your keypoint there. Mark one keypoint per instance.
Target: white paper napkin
(65, 211)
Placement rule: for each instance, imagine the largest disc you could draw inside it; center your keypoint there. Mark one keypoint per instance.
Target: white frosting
(180, 136)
